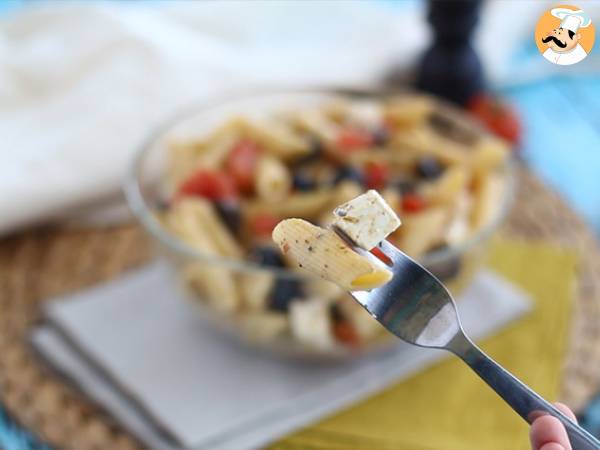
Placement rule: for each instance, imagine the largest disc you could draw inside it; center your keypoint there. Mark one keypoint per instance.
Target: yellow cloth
(448, 407)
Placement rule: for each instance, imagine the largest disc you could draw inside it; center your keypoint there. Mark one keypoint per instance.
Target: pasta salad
(228, 190)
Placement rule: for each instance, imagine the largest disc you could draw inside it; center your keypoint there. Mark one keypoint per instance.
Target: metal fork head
(414, 305)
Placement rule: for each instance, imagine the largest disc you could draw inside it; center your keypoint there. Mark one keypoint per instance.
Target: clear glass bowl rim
(143, 212)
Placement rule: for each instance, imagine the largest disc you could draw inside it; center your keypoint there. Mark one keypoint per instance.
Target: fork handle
(527, 403)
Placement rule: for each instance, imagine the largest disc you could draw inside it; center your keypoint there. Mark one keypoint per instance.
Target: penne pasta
(214, 154)
(446, 189)
(323, 253)
(404, 159)
(422, 231)
(182, 161)
(459, 228)
(255, 288)
(215, 284)
(407, 111)
(345, 191)
(264, 326)
(317, 124)
(323, 289)
(273, 180)
(337, 110)
(488, 194)
(201, 219)
(185, 156)
(278, 139)
(489, 153)
(302, 204)
(424, 142)
(392, 197)
(446, 123)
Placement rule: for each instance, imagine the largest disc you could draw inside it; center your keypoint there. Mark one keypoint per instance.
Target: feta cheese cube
(309, 322)
(367, 114)
(367, 219)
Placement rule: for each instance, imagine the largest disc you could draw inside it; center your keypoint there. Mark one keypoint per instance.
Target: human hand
(547, 433)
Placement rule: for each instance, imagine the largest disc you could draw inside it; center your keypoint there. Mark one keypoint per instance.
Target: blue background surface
(561, 119)
(561, 116)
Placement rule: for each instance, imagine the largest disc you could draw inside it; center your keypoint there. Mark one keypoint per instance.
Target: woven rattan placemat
(43, 263)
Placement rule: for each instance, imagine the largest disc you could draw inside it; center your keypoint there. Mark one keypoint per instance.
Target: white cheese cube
(310, 324)
(365, 114)
(367, 219)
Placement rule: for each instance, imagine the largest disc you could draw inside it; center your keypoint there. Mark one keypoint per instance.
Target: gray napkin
(137, 348)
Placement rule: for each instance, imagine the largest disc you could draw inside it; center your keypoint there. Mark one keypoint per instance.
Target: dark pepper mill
(450, 68)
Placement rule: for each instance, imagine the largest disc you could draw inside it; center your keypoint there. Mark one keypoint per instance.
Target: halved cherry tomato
(351, 139)
(263, 224)
(346, 333)
(378, 253)
(376, 175)
(497, 116)
(412, 202)
(241, 164)
(211, 184)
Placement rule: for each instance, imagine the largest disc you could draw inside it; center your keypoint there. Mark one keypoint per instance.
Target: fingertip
(547, 430)
(552, 446)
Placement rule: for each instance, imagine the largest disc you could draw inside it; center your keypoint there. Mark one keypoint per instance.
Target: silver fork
(416, 307)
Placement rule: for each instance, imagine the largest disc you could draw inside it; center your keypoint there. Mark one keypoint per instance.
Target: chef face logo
(561, 40)
(565, 35)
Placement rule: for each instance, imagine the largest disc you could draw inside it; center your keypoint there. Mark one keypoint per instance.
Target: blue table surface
(561, 118)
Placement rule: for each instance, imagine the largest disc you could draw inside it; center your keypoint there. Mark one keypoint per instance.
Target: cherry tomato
(263, 224)
(376, 175)
(378, 253)
(346, 333)
(351, 139)
(241, 164)
(412, 202)
(211, 184)
(497, 116)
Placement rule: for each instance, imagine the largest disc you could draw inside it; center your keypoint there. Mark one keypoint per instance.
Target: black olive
(429, 168)
(284, 291)
(349, 173)
(381, 136)
(316, 151)
(229, 211)
(266, 256)
(304, 182)
(404, 186)
(336, 313)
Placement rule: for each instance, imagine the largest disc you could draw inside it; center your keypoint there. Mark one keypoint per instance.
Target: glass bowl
(147, 192)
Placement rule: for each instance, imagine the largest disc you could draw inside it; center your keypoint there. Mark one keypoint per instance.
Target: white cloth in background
(81, 85)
